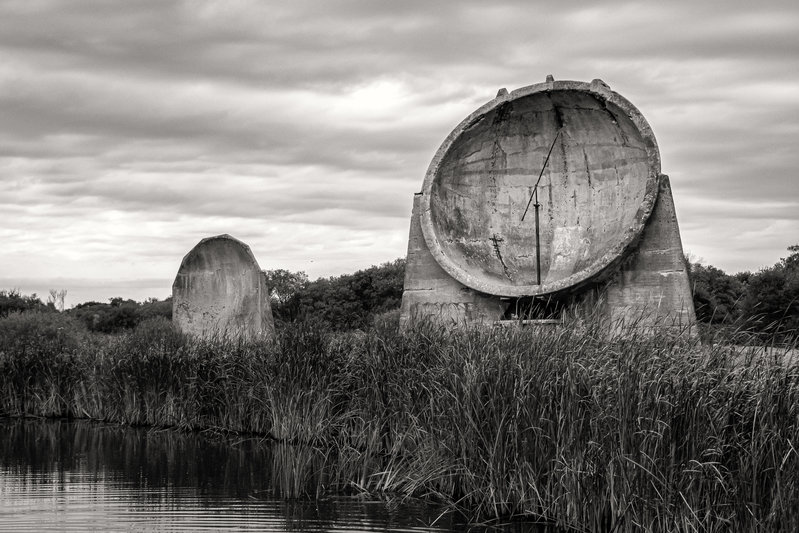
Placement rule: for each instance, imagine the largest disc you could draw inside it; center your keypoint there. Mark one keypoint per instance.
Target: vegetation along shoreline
(568, 425)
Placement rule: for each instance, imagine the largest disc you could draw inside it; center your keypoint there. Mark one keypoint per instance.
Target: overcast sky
(130, 130)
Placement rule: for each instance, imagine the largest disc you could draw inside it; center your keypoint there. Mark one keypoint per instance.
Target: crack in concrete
(496, 240)
(587, 168)
(500, 126)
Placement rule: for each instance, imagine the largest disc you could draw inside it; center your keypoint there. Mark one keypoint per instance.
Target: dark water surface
(58, 475)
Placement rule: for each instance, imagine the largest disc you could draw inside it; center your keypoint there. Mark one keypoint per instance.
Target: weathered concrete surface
(221, 290)
(651, 287)
(431, 293)
(596, 192)
(610, 242)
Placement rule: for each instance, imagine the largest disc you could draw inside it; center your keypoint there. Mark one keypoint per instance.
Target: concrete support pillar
(651, 287)
(431, 293)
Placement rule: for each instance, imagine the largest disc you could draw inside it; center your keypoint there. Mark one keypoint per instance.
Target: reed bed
(567, 425)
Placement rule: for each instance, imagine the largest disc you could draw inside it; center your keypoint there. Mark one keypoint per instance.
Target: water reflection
(59, 475)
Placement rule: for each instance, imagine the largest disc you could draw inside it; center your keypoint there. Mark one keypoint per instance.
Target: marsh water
(59, 475)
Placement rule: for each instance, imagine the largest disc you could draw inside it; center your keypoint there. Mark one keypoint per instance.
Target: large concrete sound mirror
(221, 291)
(544, 199)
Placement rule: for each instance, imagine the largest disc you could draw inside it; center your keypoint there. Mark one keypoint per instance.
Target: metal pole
(535, 187)
(537, 240)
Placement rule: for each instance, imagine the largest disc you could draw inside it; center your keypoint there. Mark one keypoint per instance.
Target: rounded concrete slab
(598, 163)
(221, 290)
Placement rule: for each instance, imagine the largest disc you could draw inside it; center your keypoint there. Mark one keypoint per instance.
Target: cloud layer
(131, 130)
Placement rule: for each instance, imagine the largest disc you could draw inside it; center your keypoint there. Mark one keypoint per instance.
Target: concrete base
(651, 288)
(647, 290)
(221, 291)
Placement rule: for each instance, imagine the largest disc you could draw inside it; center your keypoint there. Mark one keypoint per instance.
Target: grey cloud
(194, 116)
(84, 283)
(338, 43)
(220, 197)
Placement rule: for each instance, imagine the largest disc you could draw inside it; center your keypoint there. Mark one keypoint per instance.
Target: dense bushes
(119, 315)
(717, 295)
(766, 301)
(344, 302)
(12, 301)
(772, 294)
(621, 434)
(112, 317)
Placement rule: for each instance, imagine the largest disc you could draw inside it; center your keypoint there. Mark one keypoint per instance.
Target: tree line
(766, 300)
(117, 315)
(349, 301)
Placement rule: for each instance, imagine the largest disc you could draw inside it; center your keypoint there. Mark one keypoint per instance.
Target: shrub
(14, 302)
(120, 315)
(342, 302)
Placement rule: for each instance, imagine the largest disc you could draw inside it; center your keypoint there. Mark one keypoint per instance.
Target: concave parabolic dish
(596, 192)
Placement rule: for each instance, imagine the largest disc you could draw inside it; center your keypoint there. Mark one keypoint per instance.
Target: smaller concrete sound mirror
(220, 290)
(547, 197)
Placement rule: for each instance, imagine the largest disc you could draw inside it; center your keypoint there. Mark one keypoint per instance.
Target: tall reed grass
(588, 432)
